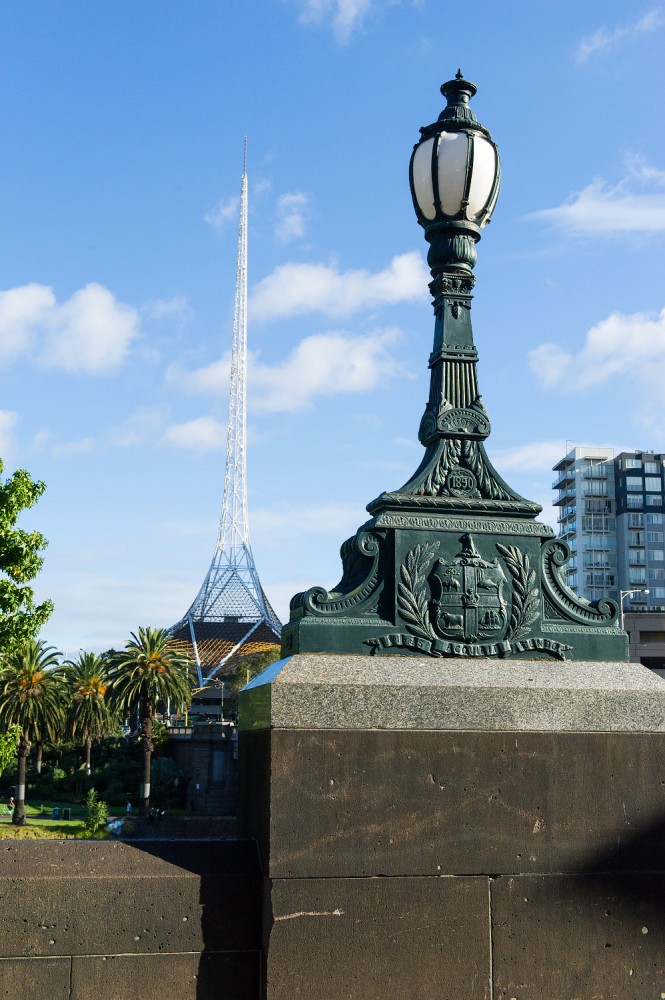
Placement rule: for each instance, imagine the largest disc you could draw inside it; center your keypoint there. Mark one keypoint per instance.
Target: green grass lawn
(41, 825)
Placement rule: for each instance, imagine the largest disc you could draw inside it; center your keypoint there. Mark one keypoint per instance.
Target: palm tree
(90, 715)
(32, 696)
(151, 668)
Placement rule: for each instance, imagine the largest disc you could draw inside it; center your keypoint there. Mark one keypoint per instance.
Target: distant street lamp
(623, 594)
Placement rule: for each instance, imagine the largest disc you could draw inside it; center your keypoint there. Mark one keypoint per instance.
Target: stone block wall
(468, 831)
(467, 866)
(151, 920)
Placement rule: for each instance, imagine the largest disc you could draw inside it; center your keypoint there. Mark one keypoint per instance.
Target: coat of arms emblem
(467, 595)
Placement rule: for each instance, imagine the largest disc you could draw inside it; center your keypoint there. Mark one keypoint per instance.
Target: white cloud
(292, 217)
(42, 438)
(225, 213)
(626, 346)
(325, 364)
(141, 426)
(71, 449)
(607, 39)
(91, 332)
(21, 310)
(537, 456)
(278, 521)
(294, 289)
(201, 435)
(635, 204)
(177, 306)
(212, 378)
(8, 421)
(344, 16)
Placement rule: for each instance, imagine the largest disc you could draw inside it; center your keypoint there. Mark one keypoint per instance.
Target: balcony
(566, 514)
(595, 472)
(565, 477)
(595, 490)
(565, 496)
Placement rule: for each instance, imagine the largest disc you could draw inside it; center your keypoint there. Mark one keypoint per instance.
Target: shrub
(96, 813)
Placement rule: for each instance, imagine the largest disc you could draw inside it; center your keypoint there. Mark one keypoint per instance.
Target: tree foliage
(20, 561)
(96, 813)
(32, 693)
(150, 669)
(8, 746)
(32, 697)
(89, 715)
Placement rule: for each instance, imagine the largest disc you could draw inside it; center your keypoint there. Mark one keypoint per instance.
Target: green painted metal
(454, 562)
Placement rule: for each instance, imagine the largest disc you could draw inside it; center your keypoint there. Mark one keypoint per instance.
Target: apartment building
(611, 515)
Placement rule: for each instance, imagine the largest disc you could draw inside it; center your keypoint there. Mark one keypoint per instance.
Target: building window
(654, 536)
(637, 520)
(651, 468)
(595, 489)
(653, 484)
(652, 636)
(656, 555)
(634, 484)
(636, 538)
(636, 556)
(597, 522)
(597, 506)
(653, 500)
(634, 501)
(636, 576)
(632, 463)
(658, 592)
(653, 518)
(656, 574)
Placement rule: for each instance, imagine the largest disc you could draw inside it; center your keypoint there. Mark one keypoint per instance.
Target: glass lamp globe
(455, 171)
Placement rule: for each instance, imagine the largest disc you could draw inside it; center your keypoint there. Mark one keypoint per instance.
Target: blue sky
(122, 131)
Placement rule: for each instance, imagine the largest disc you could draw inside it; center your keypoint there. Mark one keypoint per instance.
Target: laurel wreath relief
(411, 591)
(525, 592)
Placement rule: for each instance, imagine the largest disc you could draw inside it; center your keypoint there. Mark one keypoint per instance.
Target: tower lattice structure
(231, 615)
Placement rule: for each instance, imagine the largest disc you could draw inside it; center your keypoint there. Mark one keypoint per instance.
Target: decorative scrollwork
(555, 554)
(411, 591)
(463, 420)
(359, 589)
(525, 591)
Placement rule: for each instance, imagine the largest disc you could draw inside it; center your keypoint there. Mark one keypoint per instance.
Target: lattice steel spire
(231, 614)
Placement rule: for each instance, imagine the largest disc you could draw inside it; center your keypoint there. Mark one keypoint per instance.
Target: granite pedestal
(460, 829)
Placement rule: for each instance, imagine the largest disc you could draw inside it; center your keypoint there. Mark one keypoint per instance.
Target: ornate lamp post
(453, 563)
